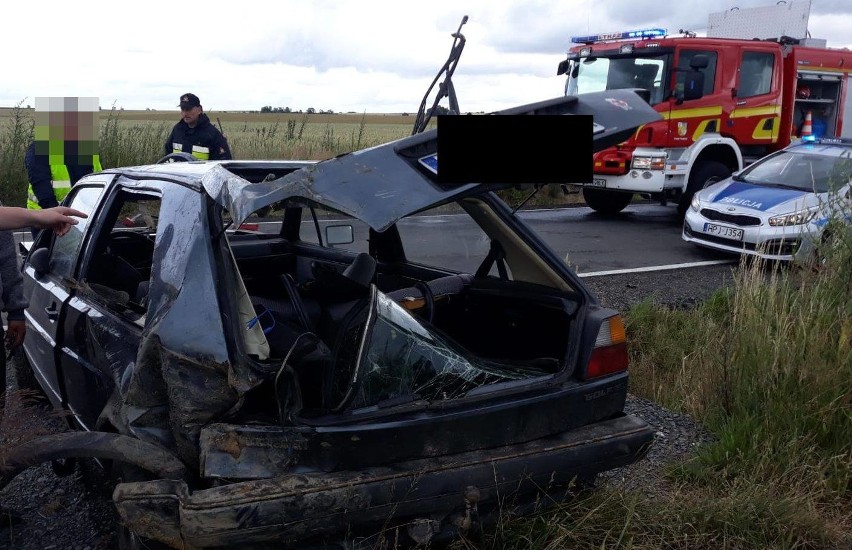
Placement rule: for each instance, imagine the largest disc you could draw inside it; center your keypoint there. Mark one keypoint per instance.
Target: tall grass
(131, 144)
(15, 135)
(766, 365)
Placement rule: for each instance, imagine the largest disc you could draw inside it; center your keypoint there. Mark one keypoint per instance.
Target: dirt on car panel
(249, 452)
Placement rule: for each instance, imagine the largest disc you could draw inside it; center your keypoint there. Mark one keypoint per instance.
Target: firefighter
(194, 134)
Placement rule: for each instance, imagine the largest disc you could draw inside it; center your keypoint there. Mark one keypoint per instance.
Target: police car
(779, 208)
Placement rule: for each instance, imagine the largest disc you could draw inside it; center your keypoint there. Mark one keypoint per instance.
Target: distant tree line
(439, 110)
(309, 110)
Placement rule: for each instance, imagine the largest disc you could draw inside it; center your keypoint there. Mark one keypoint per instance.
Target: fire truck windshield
(594, 74)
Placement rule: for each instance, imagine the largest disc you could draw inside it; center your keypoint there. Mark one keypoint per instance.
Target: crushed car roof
(382, 184)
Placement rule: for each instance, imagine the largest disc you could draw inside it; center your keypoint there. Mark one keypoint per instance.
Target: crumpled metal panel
(379, 185)
(183, 363)
(249, 452)
(287, 508)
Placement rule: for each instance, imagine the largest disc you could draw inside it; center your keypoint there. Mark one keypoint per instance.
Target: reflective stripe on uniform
(201, 153)
(60, 181)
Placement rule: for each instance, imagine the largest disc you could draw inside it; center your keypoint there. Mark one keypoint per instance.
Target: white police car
(779, 207)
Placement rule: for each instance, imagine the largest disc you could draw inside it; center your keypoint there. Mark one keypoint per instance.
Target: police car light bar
(625, 35)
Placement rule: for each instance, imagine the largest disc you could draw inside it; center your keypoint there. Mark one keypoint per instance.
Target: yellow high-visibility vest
(61, 182)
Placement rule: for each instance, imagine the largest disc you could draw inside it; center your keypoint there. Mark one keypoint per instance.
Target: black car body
(336, 376)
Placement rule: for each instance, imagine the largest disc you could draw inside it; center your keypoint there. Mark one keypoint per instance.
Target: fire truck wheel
(606, 202)
(703, 175)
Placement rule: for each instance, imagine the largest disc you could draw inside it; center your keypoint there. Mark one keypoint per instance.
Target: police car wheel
(830, 246)
(704, 175)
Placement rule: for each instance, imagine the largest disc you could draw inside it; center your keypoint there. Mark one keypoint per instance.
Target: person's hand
(59, 219)
(15, 332)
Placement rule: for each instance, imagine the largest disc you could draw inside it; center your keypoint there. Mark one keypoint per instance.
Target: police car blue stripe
(756, 197)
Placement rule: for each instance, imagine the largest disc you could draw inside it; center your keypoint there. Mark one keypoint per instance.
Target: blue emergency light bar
(625, 35)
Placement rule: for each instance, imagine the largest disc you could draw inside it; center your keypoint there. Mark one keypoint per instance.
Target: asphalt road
(642, 236)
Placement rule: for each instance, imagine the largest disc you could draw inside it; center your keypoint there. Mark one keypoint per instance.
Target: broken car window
(406, 358)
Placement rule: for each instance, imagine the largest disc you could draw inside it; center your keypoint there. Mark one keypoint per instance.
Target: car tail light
(610, 353)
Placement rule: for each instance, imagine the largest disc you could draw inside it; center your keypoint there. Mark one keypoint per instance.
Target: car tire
(606, 202)
(702, 176)
(829, 246)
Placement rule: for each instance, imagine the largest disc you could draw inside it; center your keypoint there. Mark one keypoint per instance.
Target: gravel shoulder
(66, 513)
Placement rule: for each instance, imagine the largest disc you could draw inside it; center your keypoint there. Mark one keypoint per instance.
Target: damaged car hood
(382, 184)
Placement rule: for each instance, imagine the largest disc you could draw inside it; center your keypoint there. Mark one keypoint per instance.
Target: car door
(757, 113)
(688, 120)
(49, 278)
(104, 317)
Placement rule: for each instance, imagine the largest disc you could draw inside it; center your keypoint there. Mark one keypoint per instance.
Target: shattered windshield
(405, 358)
(595, 74)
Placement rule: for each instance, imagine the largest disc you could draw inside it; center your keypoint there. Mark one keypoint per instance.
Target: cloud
(330, 54)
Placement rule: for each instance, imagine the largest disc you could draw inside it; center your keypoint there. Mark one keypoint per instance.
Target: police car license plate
(723, 231)
(597, 182)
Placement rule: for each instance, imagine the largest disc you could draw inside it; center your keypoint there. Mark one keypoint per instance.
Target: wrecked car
(393, 354)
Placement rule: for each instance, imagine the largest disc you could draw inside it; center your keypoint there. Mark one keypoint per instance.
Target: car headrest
(361, 270)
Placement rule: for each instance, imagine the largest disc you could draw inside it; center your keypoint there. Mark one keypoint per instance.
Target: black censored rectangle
(514, 149)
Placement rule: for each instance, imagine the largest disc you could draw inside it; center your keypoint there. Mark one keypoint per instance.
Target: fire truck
(724, 102)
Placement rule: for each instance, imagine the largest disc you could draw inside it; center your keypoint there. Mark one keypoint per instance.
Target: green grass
(767, 366)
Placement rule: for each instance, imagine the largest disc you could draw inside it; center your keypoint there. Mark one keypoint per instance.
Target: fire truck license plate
(597, 182)
(722, 231)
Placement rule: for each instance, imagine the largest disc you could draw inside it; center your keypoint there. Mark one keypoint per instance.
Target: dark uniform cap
(188, 101)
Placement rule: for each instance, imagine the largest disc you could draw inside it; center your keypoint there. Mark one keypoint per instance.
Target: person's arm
(38, 172)
(220, 149)
(13, 291)
(167, 146)
(59, 219)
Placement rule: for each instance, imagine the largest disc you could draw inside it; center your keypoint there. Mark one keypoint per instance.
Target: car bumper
(764, 241)
(638, 181)
(297, 506)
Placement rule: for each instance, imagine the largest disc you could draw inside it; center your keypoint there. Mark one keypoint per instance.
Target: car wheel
(704, 175)
(830, 246)
(606, 202)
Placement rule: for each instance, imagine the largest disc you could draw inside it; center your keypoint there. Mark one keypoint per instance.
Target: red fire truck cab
(724, 102)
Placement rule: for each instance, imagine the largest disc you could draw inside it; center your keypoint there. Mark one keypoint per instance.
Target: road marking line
(655, 268)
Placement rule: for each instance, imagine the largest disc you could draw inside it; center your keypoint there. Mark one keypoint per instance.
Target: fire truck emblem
(681, 129)
(620, 103)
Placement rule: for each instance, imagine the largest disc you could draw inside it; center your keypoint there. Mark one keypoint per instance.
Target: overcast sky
(344, 55)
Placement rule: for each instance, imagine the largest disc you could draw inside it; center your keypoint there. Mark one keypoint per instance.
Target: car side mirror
(40, 260)
(339, 234)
